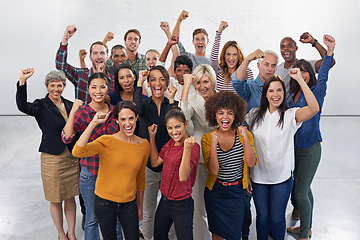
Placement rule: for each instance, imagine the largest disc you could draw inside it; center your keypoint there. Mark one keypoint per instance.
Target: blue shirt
(249, 90)
(309, 133)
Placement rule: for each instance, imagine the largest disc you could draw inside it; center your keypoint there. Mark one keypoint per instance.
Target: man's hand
(307, 38)
(69, 32)
(183, 15)
(329, 41)
(255, 55)
(109, 36)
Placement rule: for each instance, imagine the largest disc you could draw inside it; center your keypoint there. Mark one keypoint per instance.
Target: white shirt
(274, 146)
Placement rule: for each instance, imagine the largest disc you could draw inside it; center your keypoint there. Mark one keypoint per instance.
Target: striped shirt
(231, 162)
(220, 79)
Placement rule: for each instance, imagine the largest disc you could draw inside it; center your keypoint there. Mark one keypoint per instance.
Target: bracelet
(314, 43)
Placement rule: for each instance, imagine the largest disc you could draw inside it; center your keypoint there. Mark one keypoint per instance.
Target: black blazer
(49, 119)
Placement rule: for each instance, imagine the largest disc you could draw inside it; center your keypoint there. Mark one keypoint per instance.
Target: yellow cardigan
(205, 146)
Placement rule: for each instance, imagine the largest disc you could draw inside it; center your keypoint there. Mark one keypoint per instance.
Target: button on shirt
(249, 90)
(274, 146)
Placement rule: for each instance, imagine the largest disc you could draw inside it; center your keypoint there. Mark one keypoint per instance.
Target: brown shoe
(296, 230)
(295, 214)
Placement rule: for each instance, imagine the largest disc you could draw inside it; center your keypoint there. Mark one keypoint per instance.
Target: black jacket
(49, 119)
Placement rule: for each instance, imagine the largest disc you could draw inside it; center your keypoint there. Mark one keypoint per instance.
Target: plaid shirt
(79, 76)
(82, 118)
(139, 63)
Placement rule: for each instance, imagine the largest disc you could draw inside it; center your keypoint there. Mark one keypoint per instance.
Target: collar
(258, 81)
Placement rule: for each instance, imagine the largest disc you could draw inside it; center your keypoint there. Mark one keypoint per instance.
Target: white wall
(32, 30)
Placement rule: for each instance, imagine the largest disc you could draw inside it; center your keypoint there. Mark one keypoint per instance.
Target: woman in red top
(180, 158)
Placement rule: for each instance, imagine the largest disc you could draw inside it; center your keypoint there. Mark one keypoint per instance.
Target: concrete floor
(24, 212)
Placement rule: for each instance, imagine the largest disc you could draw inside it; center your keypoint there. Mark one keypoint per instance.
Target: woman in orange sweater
(120, 184)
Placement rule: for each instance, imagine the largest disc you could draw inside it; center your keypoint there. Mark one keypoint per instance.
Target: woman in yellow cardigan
(228, 152)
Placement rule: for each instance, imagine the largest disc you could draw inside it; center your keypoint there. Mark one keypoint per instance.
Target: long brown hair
(222, 63)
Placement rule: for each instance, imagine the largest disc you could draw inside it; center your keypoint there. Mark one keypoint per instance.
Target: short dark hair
(118, 46)
(305, 66)
(125, 104)
(99, 75)
(134, 31)
(163, 71)
(183, 60)
(118, 87)
(200, 30)
(98, 43)
(227, 100)
(176, 113)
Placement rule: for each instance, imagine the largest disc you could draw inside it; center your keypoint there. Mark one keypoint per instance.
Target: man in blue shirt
(250, 90)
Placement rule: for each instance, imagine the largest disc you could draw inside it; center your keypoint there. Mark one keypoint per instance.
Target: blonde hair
(204, 69)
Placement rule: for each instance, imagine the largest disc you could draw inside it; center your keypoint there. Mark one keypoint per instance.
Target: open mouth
(98, 96)
(225, 124)
(127, 86)
(286, 54)
(275, 100)
(203, 91)
(176, 136)
(157, 90)
(128, 129)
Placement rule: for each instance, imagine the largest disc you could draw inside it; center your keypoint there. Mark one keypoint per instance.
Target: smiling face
(151, 59)
(118, 56)
(157, 84)
(231, 57)
(127, 121)
(98, 55)
(200, 42)
(55, 89)
(132, 42)
(288, 49)
(98, 90)
(275, 95)
(180, 70)
(267, 67)
(225, 118)
(204, 86)
(176, 130)
(126, 79)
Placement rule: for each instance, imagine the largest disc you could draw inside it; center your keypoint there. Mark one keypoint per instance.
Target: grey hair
(266, 52)
(204, 69)
(54, 76)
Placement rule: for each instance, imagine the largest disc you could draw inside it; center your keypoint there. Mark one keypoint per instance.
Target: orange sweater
(121, 168)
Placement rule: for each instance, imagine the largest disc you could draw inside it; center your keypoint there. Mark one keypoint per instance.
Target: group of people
(204, 133)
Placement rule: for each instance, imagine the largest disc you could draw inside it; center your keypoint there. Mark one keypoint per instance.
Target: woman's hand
(329, 41)
(214, 138)
(24, 75)
(100, 118)
(152, 131)
(142, 77)
(243, 131)
(189, 142)
(223, 26)
(295, 73)
(76, 105)
(188, 78)
(171, 93)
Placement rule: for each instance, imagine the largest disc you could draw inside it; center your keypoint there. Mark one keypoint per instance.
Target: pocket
(84, 178)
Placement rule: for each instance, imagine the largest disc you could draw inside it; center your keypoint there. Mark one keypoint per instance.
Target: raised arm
(108, 37)
(69, 126)
(172, 41)
(185, 168)
(69, 32)
(213, 164)
(82, 56)
(307, 112)
(97, 119)
(21, 93)
(250, 156)
(187, 84)
(174, 49)
(155, 159)
(139, 87)
(183, 15)
(308, 38)
(214, 57)
(241, 71)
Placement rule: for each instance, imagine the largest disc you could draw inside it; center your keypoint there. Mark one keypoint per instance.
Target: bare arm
(108, 37)
(241, 71)
(185, 168)
(69, 32)
(308, 38)
(213, 164)
(69, 126)
(155, 159)
(307, 112)
(183, 15)
(98, 118)
(250, 157)
(187, 84)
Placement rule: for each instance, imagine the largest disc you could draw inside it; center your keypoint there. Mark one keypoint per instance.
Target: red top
(171, 187)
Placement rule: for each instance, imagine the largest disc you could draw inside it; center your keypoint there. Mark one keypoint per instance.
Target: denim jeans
(247, 215)
(180, 213)
(270, 203)
(87, 188)
(107, 213)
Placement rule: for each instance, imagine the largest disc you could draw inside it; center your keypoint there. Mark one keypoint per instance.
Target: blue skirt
(225, 210)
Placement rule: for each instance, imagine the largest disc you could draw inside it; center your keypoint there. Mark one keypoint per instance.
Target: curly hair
(225, 100)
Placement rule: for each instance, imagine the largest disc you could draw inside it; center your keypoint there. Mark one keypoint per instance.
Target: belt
(229, 183)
